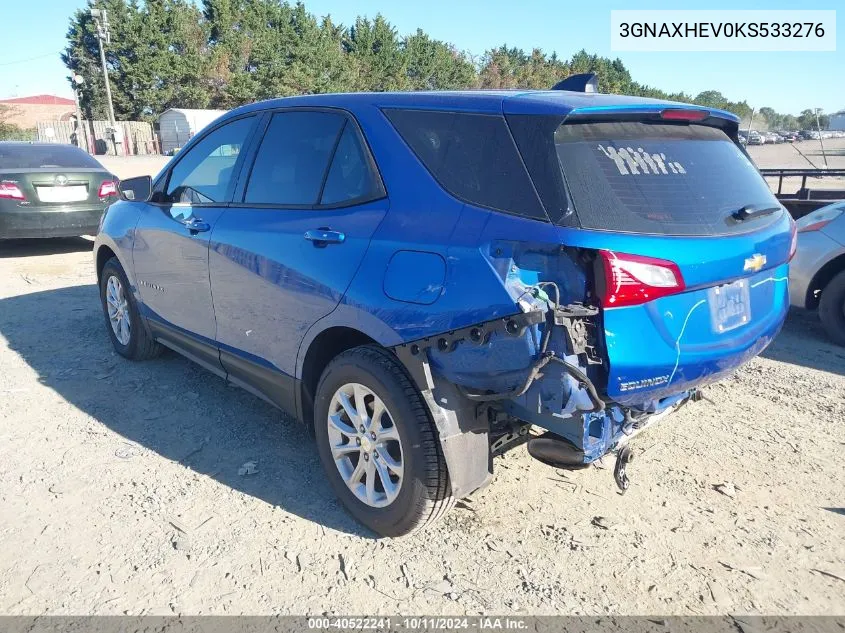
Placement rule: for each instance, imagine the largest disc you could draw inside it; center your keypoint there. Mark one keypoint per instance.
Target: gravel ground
(120, 492)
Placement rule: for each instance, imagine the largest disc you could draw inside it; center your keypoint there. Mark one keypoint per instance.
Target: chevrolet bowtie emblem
(755, 262)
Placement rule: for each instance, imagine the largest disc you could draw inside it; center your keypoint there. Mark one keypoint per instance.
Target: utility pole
(750, 123)
(81, 134)
(821, 141)
(101, 20)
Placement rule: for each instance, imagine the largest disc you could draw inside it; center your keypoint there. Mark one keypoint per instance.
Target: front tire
(129, 336)
(378, 444)
(832, 308)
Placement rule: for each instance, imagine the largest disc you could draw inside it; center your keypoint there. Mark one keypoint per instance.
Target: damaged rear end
(662, 268)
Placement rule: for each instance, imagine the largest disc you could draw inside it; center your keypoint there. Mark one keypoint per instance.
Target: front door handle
(323, 236)
(196, 225)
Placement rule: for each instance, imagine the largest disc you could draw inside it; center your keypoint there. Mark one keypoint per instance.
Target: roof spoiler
(583, 82)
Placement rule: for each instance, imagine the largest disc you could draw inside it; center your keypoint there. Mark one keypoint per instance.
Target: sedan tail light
(107, 188)
(820, 218)
(793, 239)
(10, 191)
(635, 279)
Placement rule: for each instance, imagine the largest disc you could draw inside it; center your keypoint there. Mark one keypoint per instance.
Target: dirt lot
(120, 492)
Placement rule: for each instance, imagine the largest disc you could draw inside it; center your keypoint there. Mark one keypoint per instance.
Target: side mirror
(136, 189)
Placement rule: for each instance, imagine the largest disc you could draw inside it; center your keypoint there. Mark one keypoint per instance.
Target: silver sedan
(817, 272)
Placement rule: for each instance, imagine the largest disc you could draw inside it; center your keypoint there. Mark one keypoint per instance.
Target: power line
(28, 59)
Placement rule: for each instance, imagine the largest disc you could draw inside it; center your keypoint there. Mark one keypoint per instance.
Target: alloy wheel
(365, 445)
(118, 310)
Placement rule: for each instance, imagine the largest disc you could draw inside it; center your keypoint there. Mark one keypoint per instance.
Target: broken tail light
(10, 191)
(635, 279)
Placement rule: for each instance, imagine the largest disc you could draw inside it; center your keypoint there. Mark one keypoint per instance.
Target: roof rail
(583, 82)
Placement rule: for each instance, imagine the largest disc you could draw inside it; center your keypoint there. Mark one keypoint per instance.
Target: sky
(33, 34)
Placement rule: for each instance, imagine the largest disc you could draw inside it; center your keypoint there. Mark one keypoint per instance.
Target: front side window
(205, 173)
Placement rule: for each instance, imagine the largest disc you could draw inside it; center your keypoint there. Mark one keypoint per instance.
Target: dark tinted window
(350, 176)
(293, 158)
(535, 138)
(654, 178)
(472, 156)
(204, 173)
(47, 155)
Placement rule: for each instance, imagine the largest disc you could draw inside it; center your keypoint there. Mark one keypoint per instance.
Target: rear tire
(421, 494)
(832, 308)
(133, 341)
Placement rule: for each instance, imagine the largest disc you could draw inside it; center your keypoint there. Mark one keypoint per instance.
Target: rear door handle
(196, 225)
(323, 236)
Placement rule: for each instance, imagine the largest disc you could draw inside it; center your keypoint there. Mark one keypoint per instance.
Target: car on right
(817, 272)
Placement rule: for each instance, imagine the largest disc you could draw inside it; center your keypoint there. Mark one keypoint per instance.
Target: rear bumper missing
(33, 223)
(449, 371)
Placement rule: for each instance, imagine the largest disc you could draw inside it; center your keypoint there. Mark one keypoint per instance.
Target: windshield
(641, 177)
(42, 156)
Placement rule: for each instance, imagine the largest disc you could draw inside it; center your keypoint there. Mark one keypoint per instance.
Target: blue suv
(429, 279)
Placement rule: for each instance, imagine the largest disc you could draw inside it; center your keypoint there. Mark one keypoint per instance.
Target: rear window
(37, 156)
(640, 177)
(472, 156)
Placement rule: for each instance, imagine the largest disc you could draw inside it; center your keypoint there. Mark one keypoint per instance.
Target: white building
(837, 121)
(178, 125)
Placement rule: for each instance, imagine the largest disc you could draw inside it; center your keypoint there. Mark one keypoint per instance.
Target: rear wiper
(753, 211)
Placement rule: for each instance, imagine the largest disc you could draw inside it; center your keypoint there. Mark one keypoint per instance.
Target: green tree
(224, 53)
(711, 99)
(375, 48)
(434, 65)
(155, 58)
(807, 120)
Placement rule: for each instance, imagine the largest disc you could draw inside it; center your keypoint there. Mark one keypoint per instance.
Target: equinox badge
(755, 262)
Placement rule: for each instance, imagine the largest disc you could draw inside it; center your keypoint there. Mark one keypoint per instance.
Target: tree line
(224, 53)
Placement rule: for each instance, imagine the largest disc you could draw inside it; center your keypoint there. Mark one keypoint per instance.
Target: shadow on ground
(184, 413)
(803, 342)
(47, 246)
(170, 406)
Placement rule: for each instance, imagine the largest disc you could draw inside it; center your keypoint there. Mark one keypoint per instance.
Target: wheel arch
(322, 348)
(822, 278)
(104, 254)
(462, 433)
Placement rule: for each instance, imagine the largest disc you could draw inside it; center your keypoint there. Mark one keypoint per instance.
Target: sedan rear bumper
(34, 223)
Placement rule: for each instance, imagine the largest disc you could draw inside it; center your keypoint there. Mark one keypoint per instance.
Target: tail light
(10, 191)
(107, 188)
(819, 218)
(635, 279)
(793, 239)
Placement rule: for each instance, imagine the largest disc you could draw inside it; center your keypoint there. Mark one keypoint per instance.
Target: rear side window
(293, 158)
(472, 156)
(47, 155)
(653, 178)
(350, 177)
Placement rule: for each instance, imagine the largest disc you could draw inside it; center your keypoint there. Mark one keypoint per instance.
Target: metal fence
(138, 137)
